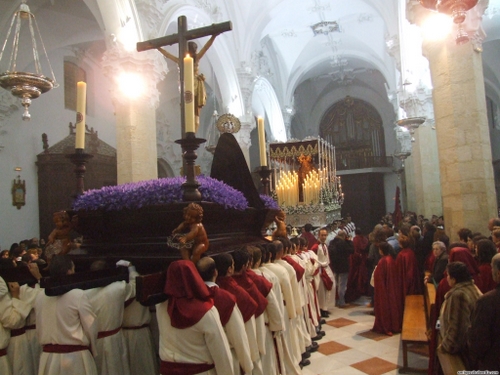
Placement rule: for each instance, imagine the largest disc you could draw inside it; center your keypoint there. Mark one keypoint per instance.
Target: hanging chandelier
(457, 9)
(410, 123)
(25, 85)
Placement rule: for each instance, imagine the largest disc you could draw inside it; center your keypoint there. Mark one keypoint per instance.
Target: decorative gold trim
(228, 123)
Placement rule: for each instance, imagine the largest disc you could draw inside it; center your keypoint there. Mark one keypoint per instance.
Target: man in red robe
(388, 309)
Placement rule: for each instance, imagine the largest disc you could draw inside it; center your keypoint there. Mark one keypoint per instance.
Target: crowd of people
(258, 309)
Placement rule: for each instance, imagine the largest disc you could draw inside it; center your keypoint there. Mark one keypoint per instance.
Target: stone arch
(265, 104)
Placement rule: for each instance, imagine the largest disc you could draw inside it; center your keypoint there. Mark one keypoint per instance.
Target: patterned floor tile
(374, 366)
(340, 322)
(373, 335)
(332, 347)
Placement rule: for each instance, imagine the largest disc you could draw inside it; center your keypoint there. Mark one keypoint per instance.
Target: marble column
(463, 139)
(135, 117)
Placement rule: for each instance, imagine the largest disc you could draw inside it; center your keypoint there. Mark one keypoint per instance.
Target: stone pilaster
(466, 171)
(243, 138)
(135, 118)
(288, 114)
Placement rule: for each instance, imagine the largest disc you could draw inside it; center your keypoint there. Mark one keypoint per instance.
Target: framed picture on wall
(18, 193)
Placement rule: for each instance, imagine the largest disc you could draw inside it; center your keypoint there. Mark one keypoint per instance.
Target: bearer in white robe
(66, 328)
(230, 315)
(192, 340)
(108, 304)
(13, 313)
(139, 340)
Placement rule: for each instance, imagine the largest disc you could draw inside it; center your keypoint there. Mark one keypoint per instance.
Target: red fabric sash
(247, 284)
(178, 368)
(224, 303)
(262, 283)
(326, 279)
(17, 332)
(3, 352)
(245, 302)
(102, 334)
(129, 302)
(55, 348)
(27, 328)
(299, 271)
(137, 327)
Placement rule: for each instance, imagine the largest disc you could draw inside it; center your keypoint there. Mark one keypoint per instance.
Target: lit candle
(262, 141)
(189, 94)
(81, 99)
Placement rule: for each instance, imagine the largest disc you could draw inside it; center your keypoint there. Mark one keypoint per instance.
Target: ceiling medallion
(457, 9)
(325, 27)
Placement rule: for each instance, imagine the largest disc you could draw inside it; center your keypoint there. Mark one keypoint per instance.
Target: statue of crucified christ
(183, 37)
(200, 94)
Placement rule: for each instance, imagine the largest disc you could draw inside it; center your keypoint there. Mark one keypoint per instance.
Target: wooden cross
(182, 37)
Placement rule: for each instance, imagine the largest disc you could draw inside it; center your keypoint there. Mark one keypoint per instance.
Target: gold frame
(19, 193)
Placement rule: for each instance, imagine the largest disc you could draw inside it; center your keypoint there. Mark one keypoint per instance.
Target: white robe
(326, 298)
(140, 345)
(237, 338)
(66, 320)
(273, 318)
(204, 342)
(13, 313)
(292, 355)
(19, 346)
(108, 304)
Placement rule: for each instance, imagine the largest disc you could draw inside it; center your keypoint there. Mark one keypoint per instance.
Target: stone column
(463, 138)
(135, 118)
(424, 188)
(288, 113)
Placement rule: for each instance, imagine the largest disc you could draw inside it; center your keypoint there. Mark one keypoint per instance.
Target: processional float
(305, 182)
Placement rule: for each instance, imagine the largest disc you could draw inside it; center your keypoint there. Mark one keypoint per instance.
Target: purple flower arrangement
(162, 191)
(269, 202)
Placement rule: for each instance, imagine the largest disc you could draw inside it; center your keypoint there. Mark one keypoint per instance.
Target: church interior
(342, 71)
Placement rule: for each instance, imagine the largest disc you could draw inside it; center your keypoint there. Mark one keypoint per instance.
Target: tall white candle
(81, 102)
(262, 141)
(189, 94)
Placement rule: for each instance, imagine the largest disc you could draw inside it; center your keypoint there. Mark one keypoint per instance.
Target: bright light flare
(131, 85)
(437, 26)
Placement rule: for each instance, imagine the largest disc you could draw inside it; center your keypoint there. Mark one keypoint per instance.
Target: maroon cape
(246, 283)
(224, 302)
(245, 303)
(262, 283)
(188, 296)
(487, 283)
(408, 273)
(311, 240)
(388, 307)
(357, 282)
(299, 270)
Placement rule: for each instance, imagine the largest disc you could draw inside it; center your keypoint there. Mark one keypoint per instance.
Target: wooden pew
(414, 328)
(451, 364)
(417, 322)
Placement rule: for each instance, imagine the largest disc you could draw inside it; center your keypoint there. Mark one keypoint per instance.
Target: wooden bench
(417, 322)
(414, 328)
(450, 363)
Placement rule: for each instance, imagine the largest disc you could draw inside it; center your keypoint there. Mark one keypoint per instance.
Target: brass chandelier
(25, 85)
(457, 9)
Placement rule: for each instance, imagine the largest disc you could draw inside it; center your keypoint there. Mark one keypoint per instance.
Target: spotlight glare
(131, 85)
(437, 27)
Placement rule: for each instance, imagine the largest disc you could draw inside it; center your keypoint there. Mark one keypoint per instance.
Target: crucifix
(182, 37)
(189, 141)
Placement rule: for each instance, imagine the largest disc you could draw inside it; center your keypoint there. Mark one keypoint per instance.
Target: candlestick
(264, 173)
(189, 94)
(262, 141)
(79, 159)
(189, 146)
(81, 101)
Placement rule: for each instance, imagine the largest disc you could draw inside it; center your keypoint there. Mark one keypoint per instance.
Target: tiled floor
(350, 347)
